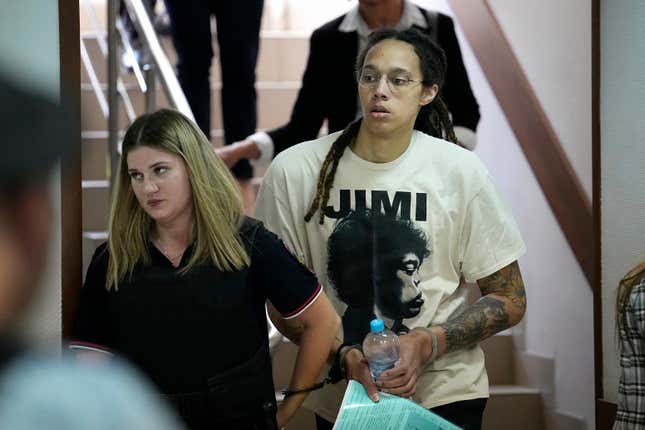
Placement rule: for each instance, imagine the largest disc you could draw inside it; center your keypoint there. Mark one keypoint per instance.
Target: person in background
(160, 21)
(630, 328)
(329, 83)
(180, 287)
(238, 33)
(42, 390)
(392, 160)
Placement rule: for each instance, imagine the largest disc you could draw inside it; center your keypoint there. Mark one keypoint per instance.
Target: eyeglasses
(396, 81)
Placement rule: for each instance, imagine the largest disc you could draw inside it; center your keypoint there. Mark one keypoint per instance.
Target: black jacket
(329, 90)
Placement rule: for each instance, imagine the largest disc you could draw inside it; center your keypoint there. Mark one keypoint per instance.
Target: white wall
(623, 159)
(29, 55)
(552, 41)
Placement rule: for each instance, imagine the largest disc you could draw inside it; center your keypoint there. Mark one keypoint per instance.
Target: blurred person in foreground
(180, 286)
(37, 390)
(630, 328)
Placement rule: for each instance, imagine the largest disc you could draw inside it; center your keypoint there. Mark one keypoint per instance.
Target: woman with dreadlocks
(401, 159)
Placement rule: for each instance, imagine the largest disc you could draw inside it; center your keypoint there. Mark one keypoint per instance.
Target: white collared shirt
(354, 22)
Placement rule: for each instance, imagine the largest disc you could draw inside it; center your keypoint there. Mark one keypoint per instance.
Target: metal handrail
(127, 46)
(94, 80)
(99, 36)
(158, 58)
(159, 67)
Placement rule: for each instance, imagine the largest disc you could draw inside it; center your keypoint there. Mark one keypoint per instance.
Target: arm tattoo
(482, 319)
(506, 282)
(489, 314)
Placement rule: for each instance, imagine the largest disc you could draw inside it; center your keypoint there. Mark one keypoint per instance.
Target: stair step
(282, 57)
(511, 390)
(96, 197)
(94, 158)
(99, 62)
(511, 407)
(499, 353)
(274, 106)
(216, 134)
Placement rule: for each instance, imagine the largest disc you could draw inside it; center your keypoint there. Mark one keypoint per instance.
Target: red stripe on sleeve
(305, 304)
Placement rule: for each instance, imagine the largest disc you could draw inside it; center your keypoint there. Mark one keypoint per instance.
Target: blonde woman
(630, 326)
(181, 285)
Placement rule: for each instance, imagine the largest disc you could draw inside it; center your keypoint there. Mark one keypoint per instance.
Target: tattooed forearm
(479, 321)
(506, 282)
(502, 306)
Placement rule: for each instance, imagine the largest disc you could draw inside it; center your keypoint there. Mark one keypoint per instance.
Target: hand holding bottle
(402, 379)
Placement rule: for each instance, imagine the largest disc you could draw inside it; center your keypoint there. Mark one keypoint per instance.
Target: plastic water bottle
(381, 348)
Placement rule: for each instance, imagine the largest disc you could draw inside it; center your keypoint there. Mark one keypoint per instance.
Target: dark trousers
(238, 31)
(466, 414)
(127, 22)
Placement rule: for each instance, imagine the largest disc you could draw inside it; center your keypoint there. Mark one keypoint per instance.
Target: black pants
(127, 22)
(466, 414)
(238, 31)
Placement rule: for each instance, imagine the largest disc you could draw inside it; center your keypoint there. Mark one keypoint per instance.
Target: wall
(552, 40)
(559, 320)
(623, 159)
(29, 54)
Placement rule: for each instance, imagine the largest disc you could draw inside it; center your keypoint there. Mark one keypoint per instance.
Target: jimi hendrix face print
(373, 266)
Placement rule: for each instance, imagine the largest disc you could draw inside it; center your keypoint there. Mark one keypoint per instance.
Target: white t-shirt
(447, 193)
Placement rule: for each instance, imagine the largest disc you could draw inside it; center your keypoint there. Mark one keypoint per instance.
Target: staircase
(512, 405)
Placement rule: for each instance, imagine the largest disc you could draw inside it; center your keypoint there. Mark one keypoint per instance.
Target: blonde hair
(625, 286)
(217, 203)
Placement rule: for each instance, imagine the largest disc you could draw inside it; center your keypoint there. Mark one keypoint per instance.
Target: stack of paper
(359, 412)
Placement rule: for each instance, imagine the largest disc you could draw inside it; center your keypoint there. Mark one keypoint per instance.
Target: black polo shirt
(182, 329)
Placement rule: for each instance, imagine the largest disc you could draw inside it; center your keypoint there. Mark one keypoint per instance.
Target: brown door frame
(605, 411)
(71, 202)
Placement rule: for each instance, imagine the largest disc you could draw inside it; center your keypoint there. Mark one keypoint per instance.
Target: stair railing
(155, 66)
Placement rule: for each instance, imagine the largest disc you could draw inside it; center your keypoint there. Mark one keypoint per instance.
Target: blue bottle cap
(376, 326)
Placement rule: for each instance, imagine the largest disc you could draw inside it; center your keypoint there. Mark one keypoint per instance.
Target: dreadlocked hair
(328, 169)
(433, 118)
